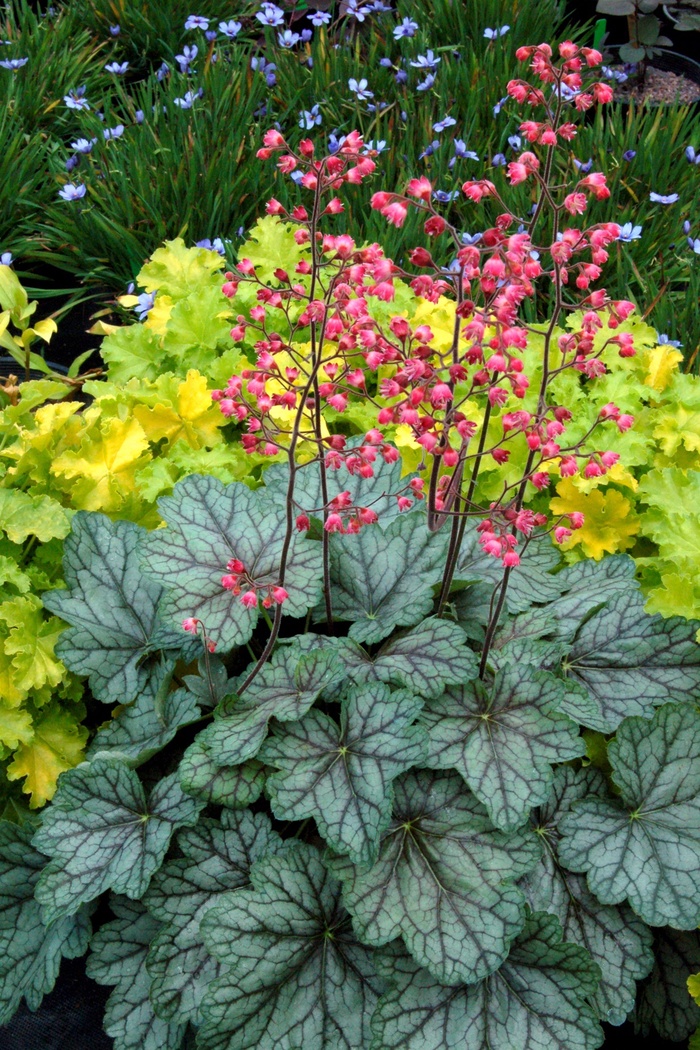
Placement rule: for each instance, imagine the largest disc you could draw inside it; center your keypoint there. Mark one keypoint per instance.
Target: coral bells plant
(320, 343)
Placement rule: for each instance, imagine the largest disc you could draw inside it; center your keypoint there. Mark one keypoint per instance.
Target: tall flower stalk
(319, 344)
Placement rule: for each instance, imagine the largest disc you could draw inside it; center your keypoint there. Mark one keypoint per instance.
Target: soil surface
(660, 87)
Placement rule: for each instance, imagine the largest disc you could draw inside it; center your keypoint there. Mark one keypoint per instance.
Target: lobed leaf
(30, 952)
(617, 940)
(502, 737)
(443, 881)
(381, 580)
(664, 1003)
(218, 856)
(102, 834)
(342, 775)
(207, 525)
(232, 786)
(535, 1001)
(645, 847)
(118, 957)
(295, 976)
(112, 608)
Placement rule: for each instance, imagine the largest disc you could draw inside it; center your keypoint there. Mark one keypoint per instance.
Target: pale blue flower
(515, 142)
(499, 105)
(661, 198)
(187, 101)
(187, 57)
(162, 71)
(13, 63)
(471, 238)
(663, 340)
(499, 160)
(694, 244)
(83, 145)
(288, 38)
(72, 192)
(270, 15)
(442, 125)
(139, 116)
(355, 9)
(691, 156)
(628, 233)
(493, 34)
(197, 22)
(583, 166)
(359, 88)
(379, 146)
(444, 197)
(629, 155)
(114, 133)
(217, 245)
(115, 30)
(310, 118)
(426, 61)
(144, 305)
(76, 99)
(118, 68)
(230, 29)
(430, 149)
(407, 28)
(72, 162)
(6, 259)
(425, 85)
(320, 18)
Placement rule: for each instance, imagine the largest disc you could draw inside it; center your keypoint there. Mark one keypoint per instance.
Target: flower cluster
(319, 346)
(244, 587)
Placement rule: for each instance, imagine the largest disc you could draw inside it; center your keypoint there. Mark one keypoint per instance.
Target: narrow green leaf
(342, 775)
(296, 977)
(102, 834)
(443, 880)
(502, 736)
(645, 847)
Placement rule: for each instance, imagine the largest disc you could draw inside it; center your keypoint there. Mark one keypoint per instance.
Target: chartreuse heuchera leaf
(342, 774)
(285, 689)
(645, 846)
(443, 881)
(295, 976)
(112, 608)
(382, 580)
(208, 524)
(101, 833)
(618, 941)
(30, 952)
(537, 1000)
(502, 736)
(218, 856)
(118, 957)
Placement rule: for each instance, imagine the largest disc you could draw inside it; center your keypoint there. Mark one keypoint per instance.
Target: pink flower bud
(302, 523)
(576, 519)
(380, 200)
(593, 469)
(561, 534)
(404, 503)
(249, 599)
(420, 188)
(190, 624)
(511, 559)
(624, 423)
(279, 595)
(609, 459)
(333, 523)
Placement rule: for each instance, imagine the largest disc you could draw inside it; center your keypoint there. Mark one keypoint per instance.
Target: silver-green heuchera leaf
(617, 940)
(217, 857)
(102, 834)
(146, 725)
(112, 608)
(502, 736)
(378, 492)
(342, 775)
(285, 689)
(532, 581)
(118, 957)
(385, 579)
(232, 786)
(30, 953)
(443, 881)
(208, 524)
(425, 658)
(645, 847)
(664, 1004)
(630, 662)
(537, 1000)
(295, 975)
